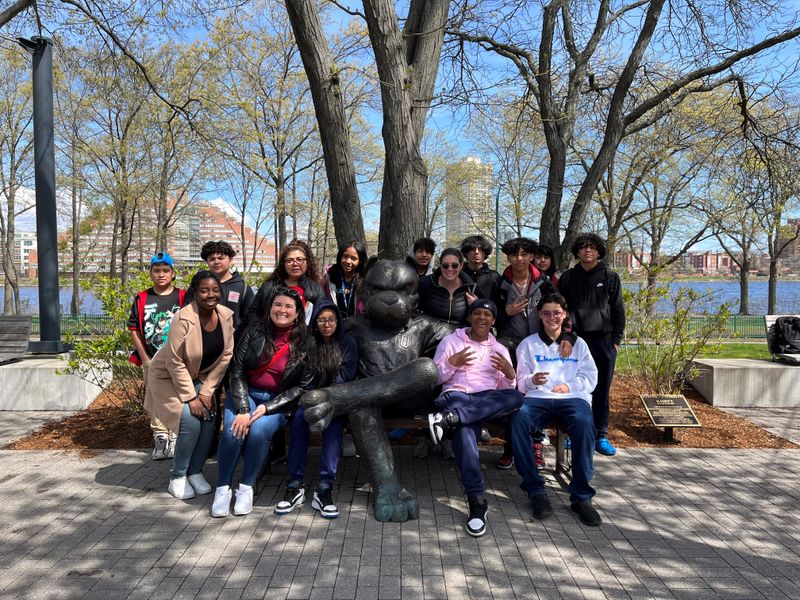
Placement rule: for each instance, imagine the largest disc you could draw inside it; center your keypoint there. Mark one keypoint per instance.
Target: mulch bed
(109, 423)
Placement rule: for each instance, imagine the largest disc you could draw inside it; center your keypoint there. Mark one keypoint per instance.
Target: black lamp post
(45, 176)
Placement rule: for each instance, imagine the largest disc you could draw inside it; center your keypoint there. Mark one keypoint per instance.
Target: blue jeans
(255, 444)
(472, 410)
(193, 443)
(299, 433)
(536, 413)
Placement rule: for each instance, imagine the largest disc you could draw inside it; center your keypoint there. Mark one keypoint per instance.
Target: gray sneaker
(160, 446)
(171, 441)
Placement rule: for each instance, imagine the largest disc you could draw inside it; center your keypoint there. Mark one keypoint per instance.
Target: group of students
(266, 349)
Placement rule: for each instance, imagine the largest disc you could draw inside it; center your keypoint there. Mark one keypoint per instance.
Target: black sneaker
(295, 496)
(541, 506)
(323, 502)
(440, 423)
(587, 514)
(476, 522)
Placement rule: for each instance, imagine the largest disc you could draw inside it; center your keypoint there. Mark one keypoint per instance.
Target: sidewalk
(678, 524)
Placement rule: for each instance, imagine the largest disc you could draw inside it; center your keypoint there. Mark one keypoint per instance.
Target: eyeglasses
(551, 313)
(450, 266)
(331, 321)
(295, 261)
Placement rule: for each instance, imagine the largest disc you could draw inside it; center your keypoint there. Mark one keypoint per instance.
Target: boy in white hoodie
(555, 387)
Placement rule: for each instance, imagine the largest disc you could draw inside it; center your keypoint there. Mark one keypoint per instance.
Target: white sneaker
(244, 500)
(221, 506)
(181, 488)
(546, 439)
(172, 439)
(199, 483)
(348, 446)
(160, 443)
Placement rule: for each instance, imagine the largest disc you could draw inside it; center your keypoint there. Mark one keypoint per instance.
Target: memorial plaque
(670, 411)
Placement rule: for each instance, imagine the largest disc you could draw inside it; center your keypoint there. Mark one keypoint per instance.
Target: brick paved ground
(678, 524)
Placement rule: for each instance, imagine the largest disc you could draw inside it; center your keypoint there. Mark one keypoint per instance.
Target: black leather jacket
(247, 356)
(436, 301)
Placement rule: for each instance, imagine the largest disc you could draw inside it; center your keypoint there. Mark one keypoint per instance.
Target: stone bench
(743, 382)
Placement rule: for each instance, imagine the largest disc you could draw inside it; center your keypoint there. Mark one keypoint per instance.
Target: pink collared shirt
(478, 376)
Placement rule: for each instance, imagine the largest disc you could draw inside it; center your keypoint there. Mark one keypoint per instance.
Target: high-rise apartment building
(469, 202)
(194, 225)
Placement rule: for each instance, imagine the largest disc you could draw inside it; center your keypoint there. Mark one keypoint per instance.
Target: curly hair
(220, 247)
(425, 243)
(515, 245)
(589, 239)
(476, 242)
(311, 272)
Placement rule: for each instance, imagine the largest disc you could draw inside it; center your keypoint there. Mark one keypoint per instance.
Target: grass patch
(628, 361)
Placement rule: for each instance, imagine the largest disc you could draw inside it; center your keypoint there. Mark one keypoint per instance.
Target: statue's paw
(318, 408)
(394, 503)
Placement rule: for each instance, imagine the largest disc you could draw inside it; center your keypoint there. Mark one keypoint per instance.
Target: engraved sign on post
(668, 412)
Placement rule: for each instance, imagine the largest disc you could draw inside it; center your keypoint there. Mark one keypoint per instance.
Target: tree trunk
(744, 286)
(772, 286)
(324, 81)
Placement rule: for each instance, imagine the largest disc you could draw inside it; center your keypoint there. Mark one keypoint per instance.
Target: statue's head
(390, 293)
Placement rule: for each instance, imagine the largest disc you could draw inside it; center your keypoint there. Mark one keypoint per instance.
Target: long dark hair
(545, 250)
(335, 272)
(298, 338)
(280, 271)
(327, 355)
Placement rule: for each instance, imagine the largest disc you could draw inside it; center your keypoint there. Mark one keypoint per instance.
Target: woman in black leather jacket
(269, 367)
(447, 293)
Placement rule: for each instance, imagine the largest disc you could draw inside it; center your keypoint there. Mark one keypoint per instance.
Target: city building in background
(469, 202)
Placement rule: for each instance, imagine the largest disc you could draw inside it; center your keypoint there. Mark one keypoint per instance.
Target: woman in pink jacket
(478, 384)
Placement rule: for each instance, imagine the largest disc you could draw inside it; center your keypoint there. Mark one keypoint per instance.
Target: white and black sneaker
(476, 521)
(294, 497)
(160, 446)
(172, 439)
(440, 423)
(323, 502)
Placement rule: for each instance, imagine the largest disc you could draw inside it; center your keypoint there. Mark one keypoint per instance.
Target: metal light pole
(45, 176)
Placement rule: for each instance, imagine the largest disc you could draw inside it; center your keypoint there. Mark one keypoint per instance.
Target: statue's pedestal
(35, 384)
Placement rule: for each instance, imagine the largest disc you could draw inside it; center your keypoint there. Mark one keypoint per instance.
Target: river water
(721, 291)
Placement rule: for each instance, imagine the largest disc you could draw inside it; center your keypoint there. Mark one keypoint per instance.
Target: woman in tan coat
(183, 377)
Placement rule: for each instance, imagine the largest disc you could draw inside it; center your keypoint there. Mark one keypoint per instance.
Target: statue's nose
(389, 297)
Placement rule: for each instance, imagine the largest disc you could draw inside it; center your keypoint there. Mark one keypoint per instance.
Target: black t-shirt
(154, 323)
(213, 345)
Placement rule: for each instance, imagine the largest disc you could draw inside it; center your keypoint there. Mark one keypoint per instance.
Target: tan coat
(175, 366)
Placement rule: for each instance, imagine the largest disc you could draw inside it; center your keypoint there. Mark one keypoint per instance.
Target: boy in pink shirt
(478, 384)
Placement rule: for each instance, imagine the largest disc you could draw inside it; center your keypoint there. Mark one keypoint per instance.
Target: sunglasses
(450, 266)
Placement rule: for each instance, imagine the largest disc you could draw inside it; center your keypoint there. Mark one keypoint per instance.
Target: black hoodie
(236, 295)
(348, 346)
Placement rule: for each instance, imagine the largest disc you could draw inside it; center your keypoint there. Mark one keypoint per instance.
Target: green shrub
(662, 345)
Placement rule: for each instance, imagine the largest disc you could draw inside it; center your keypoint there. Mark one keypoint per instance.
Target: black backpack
(784, 336)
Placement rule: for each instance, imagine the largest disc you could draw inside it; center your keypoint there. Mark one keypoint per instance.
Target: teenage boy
(151, 315)
(476, 249)
(421, 256)
(516, 293)
(594, 295)
(555, 386)
(236, 294)
(477, 385)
